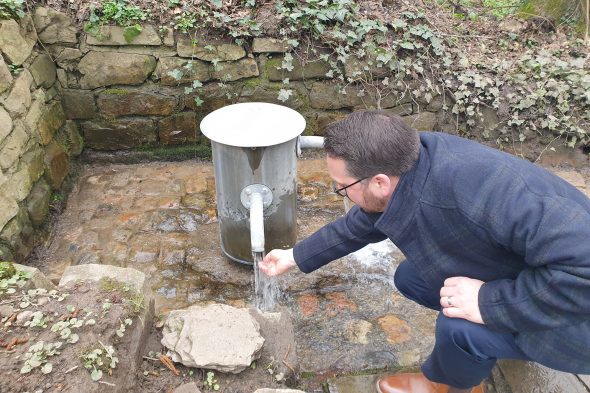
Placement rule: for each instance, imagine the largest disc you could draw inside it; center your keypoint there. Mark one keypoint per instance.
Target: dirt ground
(56, 331)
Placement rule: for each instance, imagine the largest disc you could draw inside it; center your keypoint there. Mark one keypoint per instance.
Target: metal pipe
(257, 222)
(311, 142)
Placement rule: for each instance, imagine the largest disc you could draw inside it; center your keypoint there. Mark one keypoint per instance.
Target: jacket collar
(402, 205)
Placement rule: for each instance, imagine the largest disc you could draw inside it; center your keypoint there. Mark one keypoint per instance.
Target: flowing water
(266, 289)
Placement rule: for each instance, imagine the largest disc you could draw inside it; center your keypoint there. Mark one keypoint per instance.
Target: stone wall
(126, 95)
(36, 141)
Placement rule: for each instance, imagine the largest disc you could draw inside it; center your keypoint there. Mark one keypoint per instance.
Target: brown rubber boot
(414, 383)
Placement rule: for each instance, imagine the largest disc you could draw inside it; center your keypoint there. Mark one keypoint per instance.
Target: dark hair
(372, 142)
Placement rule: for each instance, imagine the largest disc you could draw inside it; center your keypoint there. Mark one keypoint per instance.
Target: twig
(149, 358)
(107, 383)
(289, 366)
(166, 361)
(69, 370)
(287, 353)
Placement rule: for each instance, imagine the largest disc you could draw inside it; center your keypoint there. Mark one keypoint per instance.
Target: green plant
(121, 331)
(37, 356)
(10, 278)
(100, 359)
(185, 22)
(211, 382)
(15, 69)
(119, 12)
(10, 9)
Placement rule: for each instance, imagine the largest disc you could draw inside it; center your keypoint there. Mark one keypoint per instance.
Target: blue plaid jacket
(468, 210)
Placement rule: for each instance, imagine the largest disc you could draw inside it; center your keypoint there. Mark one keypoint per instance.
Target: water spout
(257, 222)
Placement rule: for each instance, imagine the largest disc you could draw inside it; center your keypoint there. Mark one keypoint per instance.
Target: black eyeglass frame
(342, 191)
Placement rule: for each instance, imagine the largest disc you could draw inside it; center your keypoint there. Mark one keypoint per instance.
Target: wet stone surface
(160, 218)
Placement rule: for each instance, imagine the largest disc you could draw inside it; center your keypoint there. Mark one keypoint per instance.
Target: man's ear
(382, 183)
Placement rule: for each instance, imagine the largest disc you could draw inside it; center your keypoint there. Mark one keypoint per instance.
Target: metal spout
(256, 197)
(257, 222)
(309, 142)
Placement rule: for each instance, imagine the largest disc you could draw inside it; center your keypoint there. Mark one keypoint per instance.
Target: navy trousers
(464, 352)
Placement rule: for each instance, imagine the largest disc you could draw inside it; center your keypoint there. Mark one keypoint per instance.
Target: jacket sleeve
(337, 239)
(552, 233)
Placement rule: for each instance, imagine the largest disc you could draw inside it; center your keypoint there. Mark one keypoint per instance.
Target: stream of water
(266, 289)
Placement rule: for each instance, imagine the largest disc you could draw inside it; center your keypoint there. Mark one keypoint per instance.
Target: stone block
(43, 71)
(425, 121)
(19, 99)
(178, 129)
(235, 70)
(68, 58)
(400, 110)
(190, 387)
(113, 68)
(51, 93)
(269, 92)
(123, 102)
(216, 336)
(94, 272)
(167, 34)
(5, 124)
(366, 69)
(313, 69)
(36, 278)
(69, 137)
(34, 113)
(5, 76)
(114, 35)
(270, 45)
(209, 51)
(8, 209)
(52, 118)
(525, 377)
(38, 202)
(326, 95)
(78, 104)
(57, 164)
(30, 169)
(19, 226)
(16, 43)
(187, 70)
(14, 146)
(118, 134)
(54, 27)
(62, 77)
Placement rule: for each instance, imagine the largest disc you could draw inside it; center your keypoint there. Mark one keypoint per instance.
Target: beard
(373, 204)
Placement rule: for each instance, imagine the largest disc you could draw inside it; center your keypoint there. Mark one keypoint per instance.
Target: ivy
(119, 12)
(12, 9)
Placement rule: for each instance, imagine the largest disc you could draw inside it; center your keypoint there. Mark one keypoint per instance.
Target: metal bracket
(256, 189)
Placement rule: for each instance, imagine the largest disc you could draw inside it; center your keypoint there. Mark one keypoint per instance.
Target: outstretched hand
(459, 296)
(277, 262)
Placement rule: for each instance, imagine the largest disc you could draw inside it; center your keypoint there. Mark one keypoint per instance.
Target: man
(498, 244)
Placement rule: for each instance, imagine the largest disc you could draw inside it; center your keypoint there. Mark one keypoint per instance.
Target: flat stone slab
(217, 336)
(95, 272)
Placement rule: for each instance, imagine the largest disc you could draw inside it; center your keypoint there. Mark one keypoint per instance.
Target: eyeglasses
(342, 191)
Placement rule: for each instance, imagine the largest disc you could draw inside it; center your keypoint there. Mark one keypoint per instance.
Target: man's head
(373, 146)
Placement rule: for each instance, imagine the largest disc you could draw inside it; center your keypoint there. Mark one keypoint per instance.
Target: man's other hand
(458, 298)
(277, 262)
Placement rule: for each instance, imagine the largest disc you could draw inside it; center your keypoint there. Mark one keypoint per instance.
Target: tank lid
(252, 124)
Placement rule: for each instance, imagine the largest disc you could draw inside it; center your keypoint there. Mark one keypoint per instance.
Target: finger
(454, 312)
(453, 281)
(448, 291)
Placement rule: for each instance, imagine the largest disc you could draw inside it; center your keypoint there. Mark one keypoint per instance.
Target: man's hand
(459, 298)
(277, 262)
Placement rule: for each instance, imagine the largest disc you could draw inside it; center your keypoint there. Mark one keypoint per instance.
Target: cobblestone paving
(160, 218)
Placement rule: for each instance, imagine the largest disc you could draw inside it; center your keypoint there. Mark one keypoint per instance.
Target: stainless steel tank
(255, 151)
